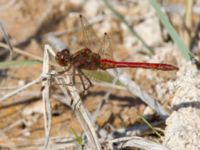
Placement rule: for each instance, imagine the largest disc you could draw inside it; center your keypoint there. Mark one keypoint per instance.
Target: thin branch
(39, 79)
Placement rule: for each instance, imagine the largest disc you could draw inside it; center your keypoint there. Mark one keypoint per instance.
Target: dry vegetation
(28, 23)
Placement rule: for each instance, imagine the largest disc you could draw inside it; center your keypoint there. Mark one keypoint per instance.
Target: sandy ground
(22, 123)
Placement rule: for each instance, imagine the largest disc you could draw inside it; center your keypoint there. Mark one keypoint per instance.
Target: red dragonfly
(96, 54)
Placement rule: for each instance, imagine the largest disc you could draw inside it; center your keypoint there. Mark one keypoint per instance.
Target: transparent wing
(85, 37)
(99, 76)
(107, 48)
(88, 37)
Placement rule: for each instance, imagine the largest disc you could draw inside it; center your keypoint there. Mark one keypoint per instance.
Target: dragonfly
(95, 54)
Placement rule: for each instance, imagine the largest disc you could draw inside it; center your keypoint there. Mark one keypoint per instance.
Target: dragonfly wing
(107, 49)
(88, 36)
(99, 76)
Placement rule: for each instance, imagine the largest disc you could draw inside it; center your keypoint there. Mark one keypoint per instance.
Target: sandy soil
(27, 22)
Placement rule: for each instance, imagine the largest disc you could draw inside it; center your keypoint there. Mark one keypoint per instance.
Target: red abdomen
(109, 64)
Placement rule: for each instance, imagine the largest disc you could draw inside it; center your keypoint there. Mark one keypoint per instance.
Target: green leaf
(78, 138)
(18, 63)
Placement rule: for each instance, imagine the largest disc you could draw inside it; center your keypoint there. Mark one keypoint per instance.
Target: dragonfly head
(63, 57)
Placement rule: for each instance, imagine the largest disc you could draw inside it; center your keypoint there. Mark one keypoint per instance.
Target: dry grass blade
(135, 141)
(56, 143)
(17, 50)
(137, 129)
(81, 112)
(46, 84)
(20, 89)
(45, 96)
(5, 35)
(136, 90)
(24, 53)
(188, 22)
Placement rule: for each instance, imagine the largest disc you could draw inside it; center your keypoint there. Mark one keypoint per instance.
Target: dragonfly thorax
(86, 59)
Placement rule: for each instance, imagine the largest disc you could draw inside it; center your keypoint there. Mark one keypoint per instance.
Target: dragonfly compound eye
(65, 52)
(63, 57)
(66, 56)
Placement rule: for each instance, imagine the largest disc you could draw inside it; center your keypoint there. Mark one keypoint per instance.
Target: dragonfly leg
(72, 81)
(66, 69)
(82, 82)
(88, 80)
(73, 76)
